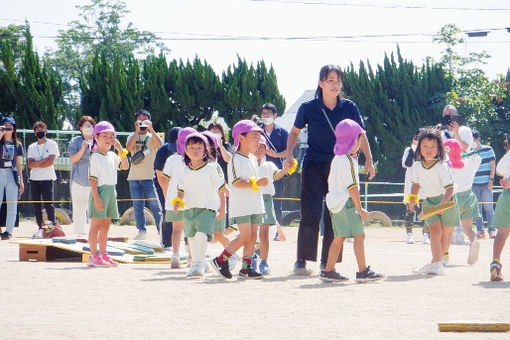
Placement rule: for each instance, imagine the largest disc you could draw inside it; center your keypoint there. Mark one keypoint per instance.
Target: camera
(6, 128)
(446, 120)
(259, 120)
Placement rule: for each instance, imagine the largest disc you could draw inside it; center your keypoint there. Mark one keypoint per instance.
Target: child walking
(246, 204)
(431, 173)
(344, 204)
(103, 168)
(200, 186)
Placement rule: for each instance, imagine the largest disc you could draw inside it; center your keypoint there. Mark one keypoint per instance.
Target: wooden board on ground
(473, 327)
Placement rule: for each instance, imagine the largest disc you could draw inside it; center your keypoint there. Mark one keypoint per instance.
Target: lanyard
(271, 144)
(41, 156)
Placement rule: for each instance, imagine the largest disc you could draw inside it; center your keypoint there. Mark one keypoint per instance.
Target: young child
(501, 218)
(103, 168)
(246, 204)
(344, 203)
(200, 185)
(173, 169)
(431, 173)
(271, 171)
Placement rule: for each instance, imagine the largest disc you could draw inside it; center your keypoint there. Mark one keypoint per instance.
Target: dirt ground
(54, 300)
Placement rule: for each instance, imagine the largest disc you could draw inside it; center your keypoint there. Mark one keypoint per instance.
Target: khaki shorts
(253, 219)
(170, 216)
(502, 214)
(347, 222)
(108, 195)
(198, 220)
(467, 205)
(449, 218)
(269, 217)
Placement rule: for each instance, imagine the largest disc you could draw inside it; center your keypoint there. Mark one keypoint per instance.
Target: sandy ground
(54, 300)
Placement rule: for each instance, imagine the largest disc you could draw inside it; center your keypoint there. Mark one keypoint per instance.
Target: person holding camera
(11, 178)
(143, 145)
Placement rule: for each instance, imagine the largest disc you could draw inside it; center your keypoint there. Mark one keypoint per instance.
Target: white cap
(466, 135)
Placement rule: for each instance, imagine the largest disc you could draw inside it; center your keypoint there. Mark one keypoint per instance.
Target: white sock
(201, 246)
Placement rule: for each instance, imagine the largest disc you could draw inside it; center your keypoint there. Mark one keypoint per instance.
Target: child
(174, 166)
(103, 167)
(344, 203)
(246, 204)
(431, 174)
(271, 171)
(501, 218)
(200, 184)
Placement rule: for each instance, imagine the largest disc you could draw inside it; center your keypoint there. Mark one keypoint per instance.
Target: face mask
(268, 121)
(219, 136)
(41, 134)
(87, 131)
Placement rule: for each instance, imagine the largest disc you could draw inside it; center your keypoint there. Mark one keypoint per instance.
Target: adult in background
(225, 147)
(482, 186)
(11, 177)
(143, 145)
(79, 152)
(161, 183)
(321, 115)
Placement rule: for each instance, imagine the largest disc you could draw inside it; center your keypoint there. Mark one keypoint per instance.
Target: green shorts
(170, 216)
(219, 227)
(502, 214)
(269, 217)
(467, 204)
(109, 197)
(347, 222)
(253, 219)
(449, 218)
(198, 219)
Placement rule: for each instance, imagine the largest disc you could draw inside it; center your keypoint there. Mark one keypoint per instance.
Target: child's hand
(98, 204)
(176, 207)
(363, 214)
(286, 166)
(263, 181)
(117, 144)
(505, 183)
(220, 215)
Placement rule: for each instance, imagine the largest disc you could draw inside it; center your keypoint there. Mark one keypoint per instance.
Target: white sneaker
(232, 260)
(474, 250)
(425, 239)
(422, 270)
(176, 261)
(445, 260)
(38, 234)
(206, 268)
(436, 269)
(195, 270)
(409, 238)
(142, 235)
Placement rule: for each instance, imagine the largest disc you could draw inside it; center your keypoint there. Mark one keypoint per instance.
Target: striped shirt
(483, 174)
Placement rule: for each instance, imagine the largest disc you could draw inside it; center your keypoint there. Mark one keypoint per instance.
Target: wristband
(123, 153)
(409, 196)
(491, 179)
(178, 199)
(254, 185)
(293, 167)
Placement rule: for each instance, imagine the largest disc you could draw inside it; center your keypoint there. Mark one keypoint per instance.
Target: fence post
(366, 195)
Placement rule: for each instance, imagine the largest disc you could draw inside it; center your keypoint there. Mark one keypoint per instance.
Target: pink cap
(198, 135)
(212, 136)
(454, 151)
(181, 139)
(103, 126)
(263, 140)
(346, 132)
(243, 126)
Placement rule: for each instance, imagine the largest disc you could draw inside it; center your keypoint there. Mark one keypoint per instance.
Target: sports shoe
(221, 268)
(425, 239)
(409, 238)
(205, 267)
(5, 236)
(368, 275)
(460, 239)
(492, 234)
(108, 260)
(474, 250)
(445, 260)
(96, 261)
(496, 267)
(195, 270)
(142, 235)
(422, 270)
(436, 269)
(176, 261)
(300, 267)
(264, 268)
(38, 234)
(332, 276)
(254, 260)
(249, 273)
(481, 234)
(232, 260)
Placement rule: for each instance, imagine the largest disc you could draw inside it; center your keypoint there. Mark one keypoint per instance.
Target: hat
(8, 120)
(243, 126)
(198, 135)
(103, 126)
(172, 134)
(454, 151)
(466, 135)
(181, 139)
(263, 140)
(212, 136)
(346, 132)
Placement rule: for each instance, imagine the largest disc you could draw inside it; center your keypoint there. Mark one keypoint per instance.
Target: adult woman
(226, 149)
(321, 115)
(11, 178)
(79, 152)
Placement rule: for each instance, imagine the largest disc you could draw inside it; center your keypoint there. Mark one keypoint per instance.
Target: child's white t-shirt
(463, 178)
(433, 180)
(103, 168)
(39, 152)
(268, 169)
(503, 167)
(243, 202)
(173, 169)
(343, 175)
(200, 187)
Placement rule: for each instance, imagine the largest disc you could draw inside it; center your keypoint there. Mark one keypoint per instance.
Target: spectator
(303, 145)
(226, 149)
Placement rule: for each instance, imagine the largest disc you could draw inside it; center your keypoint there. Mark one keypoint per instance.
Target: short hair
(269, 106)
(41, 125)
(84, 120)
(219, 127)
(142, 112)
(450, 107)
(476, 133)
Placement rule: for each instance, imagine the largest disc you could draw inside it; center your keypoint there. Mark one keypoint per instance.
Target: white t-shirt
(39, 152)
(200, 186)
(243, 202)
(268, 169)
(343, 175)
(433, 180)
(103, 168)
(503, 167)
(173, 169)
(463, 178)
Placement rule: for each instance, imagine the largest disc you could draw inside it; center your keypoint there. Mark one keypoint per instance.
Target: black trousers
(314, 187)
(42, 191)
(166, 227)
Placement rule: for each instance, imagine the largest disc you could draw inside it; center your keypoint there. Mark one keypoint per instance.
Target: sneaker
(249, 273)
(445, 260)
(196, 269)
(5, 236)
(176, 261)
(38, 234)
(221, 268)
(460, 239)
(142, 235)
(425, 239)
(368, 275)
(276, 238)
(300, 268)
(481, 234)
(332, 276)
(474, 250)
(492, 234)
(108, 260)
(496, 267)
(205, 267)
(422, 270)
(232, 260)
(436, 269)
(254, 260)
(264, 268)
(409, 238)
(96, 261)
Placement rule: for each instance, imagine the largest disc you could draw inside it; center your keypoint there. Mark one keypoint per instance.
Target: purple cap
(346, 132)
(243, 126)
(198, 135)
(181, 139)
(212, 136)
(103, 126)
(263, 140)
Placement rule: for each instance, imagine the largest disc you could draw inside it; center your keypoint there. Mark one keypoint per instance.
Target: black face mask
(41, 134)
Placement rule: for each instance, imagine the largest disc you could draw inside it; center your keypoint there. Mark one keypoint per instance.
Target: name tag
(7, 164)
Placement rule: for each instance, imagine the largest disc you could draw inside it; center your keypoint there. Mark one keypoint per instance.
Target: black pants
(42, 191)
(166, 227)
(314, 186)
(278, 188)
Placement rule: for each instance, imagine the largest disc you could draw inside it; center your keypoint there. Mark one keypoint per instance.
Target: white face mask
(87, 131)
(219, 136)
(268, 121)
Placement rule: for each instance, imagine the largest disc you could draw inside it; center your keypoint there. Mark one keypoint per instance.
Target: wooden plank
(473, 327)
